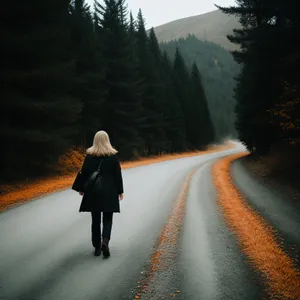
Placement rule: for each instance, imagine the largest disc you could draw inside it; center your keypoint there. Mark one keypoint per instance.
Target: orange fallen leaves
(34, 189)
(256, 237)
(24, 192)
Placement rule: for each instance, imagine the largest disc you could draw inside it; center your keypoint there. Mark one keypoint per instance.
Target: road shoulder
(282, 213)
(257, 238)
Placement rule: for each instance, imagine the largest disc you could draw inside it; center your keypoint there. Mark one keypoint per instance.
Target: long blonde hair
(101, 145)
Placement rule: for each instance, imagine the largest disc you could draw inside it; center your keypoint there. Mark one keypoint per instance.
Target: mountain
(213, 26)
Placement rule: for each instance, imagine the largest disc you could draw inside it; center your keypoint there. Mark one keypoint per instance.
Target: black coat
(112, 184)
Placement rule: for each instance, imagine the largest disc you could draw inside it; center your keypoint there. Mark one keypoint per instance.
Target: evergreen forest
(218, 72)
(69, 70)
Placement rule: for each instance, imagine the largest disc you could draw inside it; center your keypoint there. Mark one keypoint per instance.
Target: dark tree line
(68, 71)
(268, 90)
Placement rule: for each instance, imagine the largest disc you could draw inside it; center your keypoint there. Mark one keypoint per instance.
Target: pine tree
(86, 46)
(286, 110)
(201, 130)
(152, 95)
(174, 117)
(154, 47)
(181, 87)
(259, 84)
(122, 114)
(38, 113)
(132, 28)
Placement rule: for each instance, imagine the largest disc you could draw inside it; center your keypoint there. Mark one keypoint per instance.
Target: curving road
(45, 250)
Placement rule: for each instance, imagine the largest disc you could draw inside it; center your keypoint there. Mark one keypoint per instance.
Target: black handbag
(78, 184)
(94, 183)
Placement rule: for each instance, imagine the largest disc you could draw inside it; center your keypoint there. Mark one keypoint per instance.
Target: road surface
(46, 253)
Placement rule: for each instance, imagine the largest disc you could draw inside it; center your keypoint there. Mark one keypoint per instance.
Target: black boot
(97, 251)
(105, 248)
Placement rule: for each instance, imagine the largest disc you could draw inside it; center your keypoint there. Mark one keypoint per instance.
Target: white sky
(158, 12)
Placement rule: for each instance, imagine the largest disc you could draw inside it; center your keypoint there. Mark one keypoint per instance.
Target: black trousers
(96, 227)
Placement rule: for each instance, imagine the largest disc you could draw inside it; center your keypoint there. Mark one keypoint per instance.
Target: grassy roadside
(25, 192)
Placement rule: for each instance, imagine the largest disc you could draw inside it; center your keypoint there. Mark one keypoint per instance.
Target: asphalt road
(46, 253)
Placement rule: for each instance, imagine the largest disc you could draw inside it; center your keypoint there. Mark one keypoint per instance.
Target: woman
(102, 156)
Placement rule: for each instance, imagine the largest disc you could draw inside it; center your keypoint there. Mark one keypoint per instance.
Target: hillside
(218, 70)
(213, 27)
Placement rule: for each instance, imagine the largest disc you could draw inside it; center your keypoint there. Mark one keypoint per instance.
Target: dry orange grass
(68, 164)
(256, 237)
(70, 161)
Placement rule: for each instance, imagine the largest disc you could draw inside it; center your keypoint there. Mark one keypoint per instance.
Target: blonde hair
(101, 145)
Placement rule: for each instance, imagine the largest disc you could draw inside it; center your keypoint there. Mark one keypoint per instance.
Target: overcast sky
(158, 12)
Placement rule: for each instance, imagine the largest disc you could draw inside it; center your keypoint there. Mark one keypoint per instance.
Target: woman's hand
(81, 193)
(121, 197)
